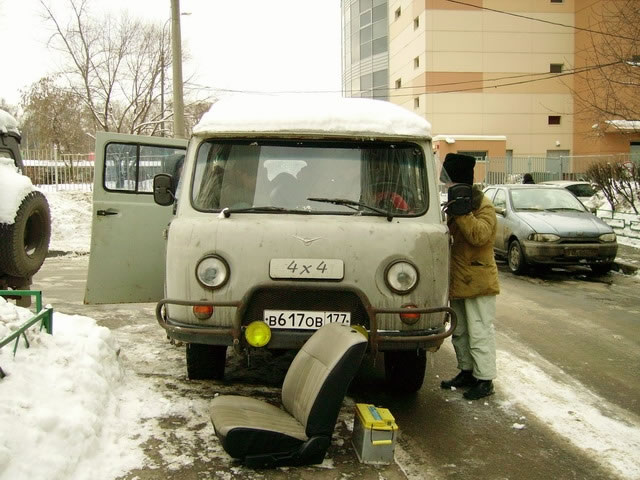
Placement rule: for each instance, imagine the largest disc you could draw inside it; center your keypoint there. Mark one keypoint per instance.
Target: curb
(625, 267)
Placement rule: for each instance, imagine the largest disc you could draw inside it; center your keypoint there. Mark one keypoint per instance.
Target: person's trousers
(474, 335)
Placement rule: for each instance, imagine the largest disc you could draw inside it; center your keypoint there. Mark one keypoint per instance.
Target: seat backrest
(318, 378)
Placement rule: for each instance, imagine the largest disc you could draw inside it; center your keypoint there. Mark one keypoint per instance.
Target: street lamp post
(176, 52)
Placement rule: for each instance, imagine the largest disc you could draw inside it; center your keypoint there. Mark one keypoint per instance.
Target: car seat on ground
(263, 435)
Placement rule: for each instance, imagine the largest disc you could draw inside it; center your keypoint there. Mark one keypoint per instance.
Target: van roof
(8, 124)
(311, 114)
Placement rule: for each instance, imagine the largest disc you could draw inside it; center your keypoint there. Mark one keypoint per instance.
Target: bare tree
(52, 116)
(610, 88)
(114, 66)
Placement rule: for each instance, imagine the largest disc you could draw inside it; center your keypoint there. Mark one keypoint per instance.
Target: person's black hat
(459, 167)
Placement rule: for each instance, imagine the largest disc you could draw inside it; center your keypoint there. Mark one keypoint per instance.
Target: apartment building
(494, 77)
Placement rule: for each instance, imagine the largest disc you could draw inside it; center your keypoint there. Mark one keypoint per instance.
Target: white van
(289, 214)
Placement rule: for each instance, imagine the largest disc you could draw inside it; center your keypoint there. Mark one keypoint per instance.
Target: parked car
(547, 225)
(291, 213)
(583, 190)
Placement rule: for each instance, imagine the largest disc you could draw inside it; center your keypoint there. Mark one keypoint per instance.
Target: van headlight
(212, 271)
(401, 277)
(608, 237)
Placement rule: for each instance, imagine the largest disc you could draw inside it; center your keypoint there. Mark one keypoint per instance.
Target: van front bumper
(379, 340)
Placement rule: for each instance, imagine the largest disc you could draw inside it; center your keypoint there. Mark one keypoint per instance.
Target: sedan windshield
(552, 199)
(348, 178)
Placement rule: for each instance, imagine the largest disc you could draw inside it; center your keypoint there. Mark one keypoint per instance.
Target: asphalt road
(568, 351)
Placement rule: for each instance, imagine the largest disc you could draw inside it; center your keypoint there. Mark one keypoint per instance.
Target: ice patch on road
(573, 412)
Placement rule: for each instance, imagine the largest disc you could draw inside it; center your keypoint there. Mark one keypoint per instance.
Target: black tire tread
(405, 370)
(14, 260)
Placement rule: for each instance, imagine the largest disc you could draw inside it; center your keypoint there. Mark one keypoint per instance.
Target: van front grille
(303, 299)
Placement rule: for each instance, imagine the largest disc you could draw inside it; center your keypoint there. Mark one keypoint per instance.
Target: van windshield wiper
(267, 208)
(352, 204)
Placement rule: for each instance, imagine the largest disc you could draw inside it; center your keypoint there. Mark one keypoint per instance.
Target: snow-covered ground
(94, 421)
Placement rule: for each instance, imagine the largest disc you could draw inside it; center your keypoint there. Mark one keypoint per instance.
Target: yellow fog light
(362, 330)
(257, 334)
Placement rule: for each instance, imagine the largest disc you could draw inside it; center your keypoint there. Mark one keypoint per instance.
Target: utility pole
(176, 52)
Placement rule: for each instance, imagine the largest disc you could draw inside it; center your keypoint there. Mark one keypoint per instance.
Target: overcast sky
(274, 45)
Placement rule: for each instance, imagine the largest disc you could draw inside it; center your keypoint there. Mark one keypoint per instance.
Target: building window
(399, 83)
(416, 23)
(416, 62)
(554, 120)
(398, 13)
(416, 102)
(479, 155)
(557, 1)
(555, 68)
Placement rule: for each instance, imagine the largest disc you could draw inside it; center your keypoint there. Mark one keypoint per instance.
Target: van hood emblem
(306, 241)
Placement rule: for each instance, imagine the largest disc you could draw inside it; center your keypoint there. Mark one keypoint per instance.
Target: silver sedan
(549, 226)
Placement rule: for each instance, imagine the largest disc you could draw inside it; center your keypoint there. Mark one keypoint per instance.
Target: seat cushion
(246, 426)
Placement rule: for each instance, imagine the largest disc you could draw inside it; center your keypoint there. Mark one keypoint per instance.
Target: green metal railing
(45, 316)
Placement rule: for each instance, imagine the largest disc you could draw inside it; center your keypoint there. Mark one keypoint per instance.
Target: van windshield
(288, 175)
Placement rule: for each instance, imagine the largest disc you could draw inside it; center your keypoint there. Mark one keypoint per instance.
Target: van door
(127, 257)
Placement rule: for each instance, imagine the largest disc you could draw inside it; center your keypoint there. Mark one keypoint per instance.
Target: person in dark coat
(473, 285)
(527, 178)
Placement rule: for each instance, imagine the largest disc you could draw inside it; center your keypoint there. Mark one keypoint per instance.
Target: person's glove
(458, 200)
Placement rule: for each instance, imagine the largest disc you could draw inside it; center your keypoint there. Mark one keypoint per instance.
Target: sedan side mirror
(500, 210)
(163, 193)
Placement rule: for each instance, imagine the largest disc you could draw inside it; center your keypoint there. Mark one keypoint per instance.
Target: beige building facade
(498, 73)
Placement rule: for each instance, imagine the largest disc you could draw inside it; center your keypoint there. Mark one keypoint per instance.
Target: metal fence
(51, 171)
(497, 170)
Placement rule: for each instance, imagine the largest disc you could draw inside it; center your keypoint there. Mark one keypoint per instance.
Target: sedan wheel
(515, 258)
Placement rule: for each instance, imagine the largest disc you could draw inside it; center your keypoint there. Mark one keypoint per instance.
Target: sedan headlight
(401, 277)
(608, 237)
(544, 237)
(212, 271)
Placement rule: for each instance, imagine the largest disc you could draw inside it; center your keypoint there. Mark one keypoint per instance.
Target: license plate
(304, 319)
(582, 252)
(306, 268)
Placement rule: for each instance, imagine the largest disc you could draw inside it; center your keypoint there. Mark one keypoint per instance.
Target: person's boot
(482, 388)
(464, 379)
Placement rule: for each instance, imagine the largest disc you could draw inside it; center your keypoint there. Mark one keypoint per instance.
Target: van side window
(131, 168)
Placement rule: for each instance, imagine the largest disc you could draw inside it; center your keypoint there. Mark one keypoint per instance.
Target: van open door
(127, 257)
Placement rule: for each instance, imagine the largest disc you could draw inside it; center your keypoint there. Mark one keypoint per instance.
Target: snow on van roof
(311, 114)
(8, 124)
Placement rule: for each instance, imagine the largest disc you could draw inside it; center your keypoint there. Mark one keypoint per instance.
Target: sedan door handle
(104, 213)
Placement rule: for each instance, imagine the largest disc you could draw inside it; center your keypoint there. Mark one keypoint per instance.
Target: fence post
(55, 165)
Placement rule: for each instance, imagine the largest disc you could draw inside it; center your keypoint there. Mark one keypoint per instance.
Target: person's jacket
(473, 267)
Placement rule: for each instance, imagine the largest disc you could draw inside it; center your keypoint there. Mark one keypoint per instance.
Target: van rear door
(127, 258)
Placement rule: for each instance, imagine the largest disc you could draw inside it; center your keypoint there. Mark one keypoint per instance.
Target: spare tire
(25, 243)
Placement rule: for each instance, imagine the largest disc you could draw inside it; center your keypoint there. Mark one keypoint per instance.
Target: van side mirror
(500, 210)
(163, 193)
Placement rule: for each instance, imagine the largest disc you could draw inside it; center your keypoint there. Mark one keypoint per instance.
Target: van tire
(205, 362)
(25, 243)
(405, 370)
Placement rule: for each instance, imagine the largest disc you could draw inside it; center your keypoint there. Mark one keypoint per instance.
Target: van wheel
(515, 258)
(404, 370)
(205, 362)
(25, 243)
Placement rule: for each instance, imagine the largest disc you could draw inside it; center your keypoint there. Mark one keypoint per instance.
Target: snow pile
(320, 114)
(13, 188)
(70, 220)
(59, 399)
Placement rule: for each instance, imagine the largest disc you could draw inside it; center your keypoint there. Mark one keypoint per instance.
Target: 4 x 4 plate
(306, 268)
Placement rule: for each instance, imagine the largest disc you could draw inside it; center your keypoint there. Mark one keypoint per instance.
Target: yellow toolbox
(374, 434)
